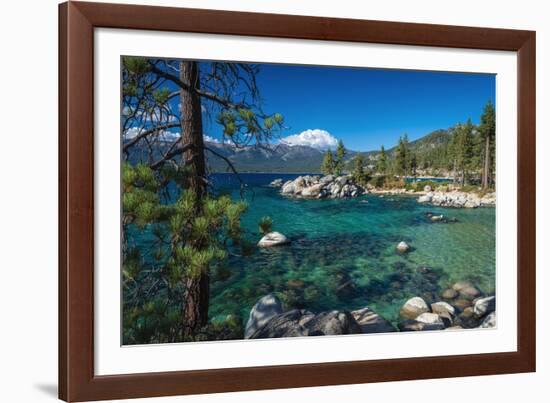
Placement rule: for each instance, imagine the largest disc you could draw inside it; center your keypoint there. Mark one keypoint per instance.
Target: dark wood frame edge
(77, 381)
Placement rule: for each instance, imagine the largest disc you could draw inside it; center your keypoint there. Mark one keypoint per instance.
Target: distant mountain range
(283, 158)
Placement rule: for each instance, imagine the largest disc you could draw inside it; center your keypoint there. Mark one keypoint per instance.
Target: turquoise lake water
(342, 252)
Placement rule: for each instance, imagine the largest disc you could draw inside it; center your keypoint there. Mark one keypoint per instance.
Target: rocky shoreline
(461, 306)
(458, 199)
(344, 186)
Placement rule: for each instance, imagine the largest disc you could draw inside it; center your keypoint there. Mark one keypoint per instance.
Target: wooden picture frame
(77, 21)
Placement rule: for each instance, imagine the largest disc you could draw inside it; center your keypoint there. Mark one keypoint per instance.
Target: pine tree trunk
(195, 304)
(454, 172)
(486, 165)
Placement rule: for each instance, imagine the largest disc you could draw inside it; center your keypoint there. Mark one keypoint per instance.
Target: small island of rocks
(346, 186)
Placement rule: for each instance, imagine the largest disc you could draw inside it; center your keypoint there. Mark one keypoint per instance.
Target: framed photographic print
(255, 201)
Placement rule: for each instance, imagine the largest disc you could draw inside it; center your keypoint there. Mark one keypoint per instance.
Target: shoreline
(346, 186)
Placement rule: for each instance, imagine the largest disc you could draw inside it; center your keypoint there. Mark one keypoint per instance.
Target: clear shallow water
(342, 254)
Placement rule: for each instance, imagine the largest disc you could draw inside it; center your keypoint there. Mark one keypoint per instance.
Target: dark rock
(331, 323)
(371, 322)
(490, 321)
(266, 308)
(288, 324)
(299, 322)
(467, 319)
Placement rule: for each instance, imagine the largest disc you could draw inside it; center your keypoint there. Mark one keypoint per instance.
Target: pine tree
(161, 98)
(414, 164)
(359, 175)
(340, 154)
(463, 143)
(381, 163)
(402, 161)
(487, 131)
(327, 167)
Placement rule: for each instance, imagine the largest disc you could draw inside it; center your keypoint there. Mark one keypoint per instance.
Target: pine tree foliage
(340, 155)
(183, 245)
(328, 165)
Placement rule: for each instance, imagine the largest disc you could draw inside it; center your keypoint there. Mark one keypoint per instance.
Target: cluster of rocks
(268, 319)
(317, 187)
(463, 306)
(458, 199)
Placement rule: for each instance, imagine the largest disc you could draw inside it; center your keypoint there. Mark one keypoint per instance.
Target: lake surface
(342, 254)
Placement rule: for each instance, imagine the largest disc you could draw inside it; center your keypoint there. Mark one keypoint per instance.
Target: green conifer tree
(382, 162)
(340, 155)
(328, 164)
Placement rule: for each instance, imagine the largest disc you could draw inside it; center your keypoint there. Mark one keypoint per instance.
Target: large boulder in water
(370, 322)
(266, 308)
(413, 308)
(273, 239)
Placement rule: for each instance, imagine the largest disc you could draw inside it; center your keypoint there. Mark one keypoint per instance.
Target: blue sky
(369, 107)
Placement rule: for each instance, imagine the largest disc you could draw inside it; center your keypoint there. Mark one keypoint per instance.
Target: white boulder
(273, 239)
(413, 308)
(403, 247)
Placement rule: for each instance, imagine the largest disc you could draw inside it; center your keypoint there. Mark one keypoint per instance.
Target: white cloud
(164, 135)
(131, 133)
(210, 139)
(316, 138)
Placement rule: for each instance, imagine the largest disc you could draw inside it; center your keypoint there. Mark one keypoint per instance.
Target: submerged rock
(266, 308)
(273, 239)
(371, 322)
(403, 247)
(449, 293)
